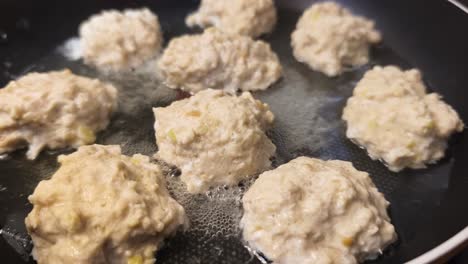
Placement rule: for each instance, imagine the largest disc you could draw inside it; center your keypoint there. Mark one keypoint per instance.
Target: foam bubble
(215, 213)
(71, 49)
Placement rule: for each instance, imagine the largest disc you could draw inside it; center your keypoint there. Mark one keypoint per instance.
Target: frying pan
(428, 206)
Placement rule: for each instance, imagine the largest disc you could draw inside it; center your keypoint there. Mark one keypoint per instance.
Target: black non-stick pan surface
(428, 206)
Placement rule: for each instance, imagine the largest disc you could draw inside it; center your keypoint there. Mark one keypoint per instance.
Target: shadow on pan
(427, 206)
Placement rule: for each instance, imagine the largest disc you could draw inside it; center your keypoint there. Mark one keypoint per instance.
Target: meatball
(118, 40)
(328, 38)
(219, 61)
(315, 211)
(214, 138)
(102, 207)
(54, 110)
(391, 116)
(245, 17)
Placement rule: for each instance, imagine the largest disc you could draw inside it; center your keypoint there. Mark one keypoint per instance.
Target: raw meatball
(391, 116)
(220, 61)
(54, 110)
(329, 38)
(245, 17)
(315, 211)
(102, 207)
(115, 40)
(215, 139)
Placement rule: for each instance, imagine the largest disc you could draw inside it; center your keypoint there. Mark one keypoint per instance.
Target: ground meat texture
(245, 17)
(214, 138)
(219, 61)
(311, 211)
(391, 116)
(102, 207)
(118, 40)
(328, 38)
(53, 110)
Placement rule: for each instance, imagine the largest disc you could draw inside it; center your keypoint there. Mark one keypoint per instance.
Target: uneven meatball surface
(53, 110)
(219, 61)
(317, 212)
(102, 207)
(328, 38)
(118, 40)
(245, 17)
(391, 115)
(214, 138)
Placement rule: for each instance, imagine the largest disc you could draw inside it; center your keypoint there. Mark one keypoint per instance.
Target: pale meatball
(214, 138)
(245, 17)
(220, 61)
(118, 40)
(312, 211)
(53, 110)
(102, 207)
(328, 38)
(391, 116)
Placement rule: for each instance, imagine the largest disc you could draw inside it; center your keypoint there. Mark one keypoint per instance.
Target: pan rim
(442, 249)
(459, 5)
